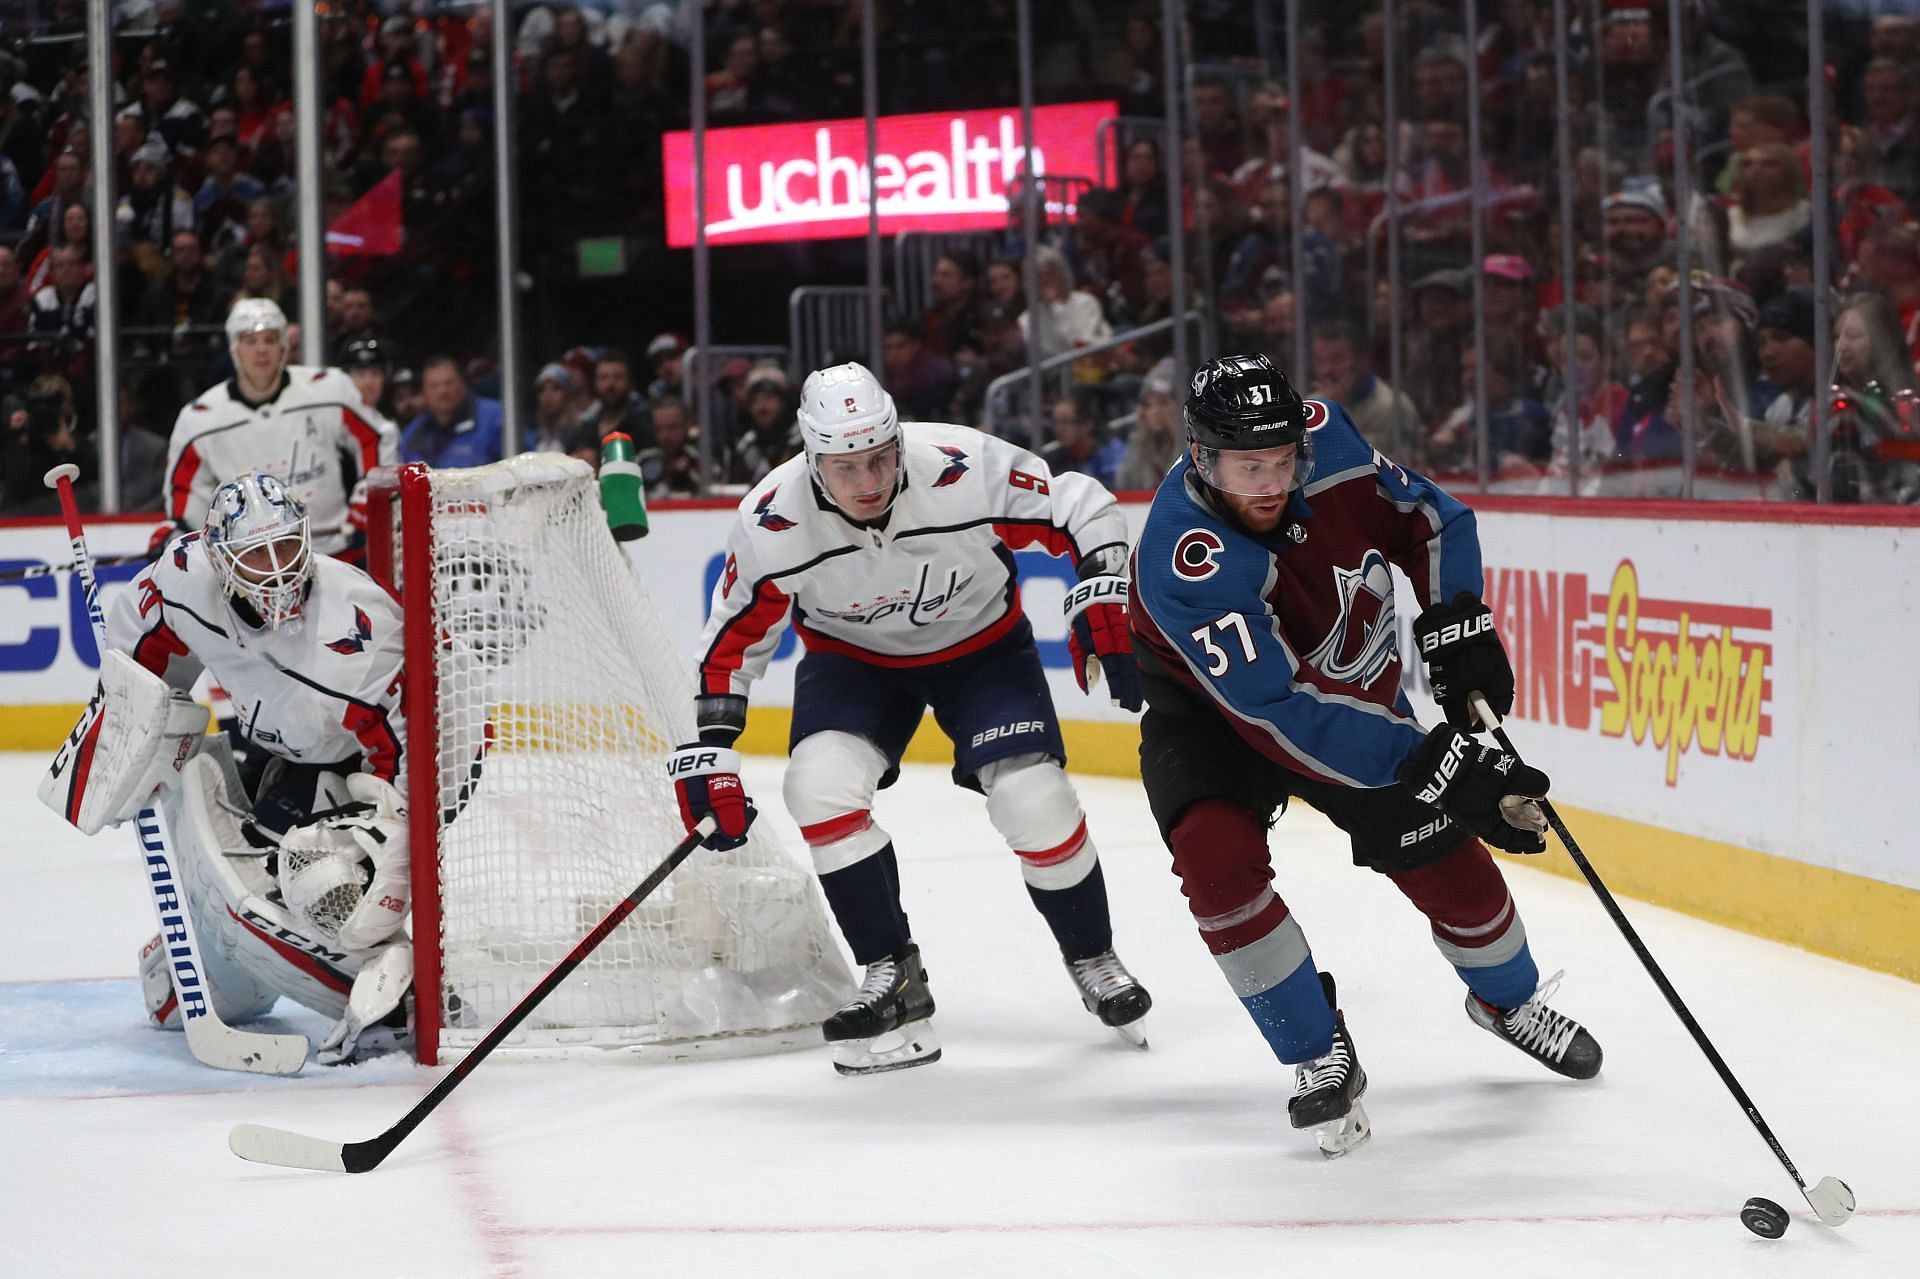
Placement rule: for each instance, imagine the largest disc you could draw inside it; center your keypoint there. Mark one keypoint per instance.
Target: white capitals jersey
(319, 690)
(937, 582)
(316, 434)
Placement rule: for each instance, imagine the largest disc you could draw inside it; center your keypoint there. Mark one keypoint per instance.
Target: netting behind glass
(559, 697)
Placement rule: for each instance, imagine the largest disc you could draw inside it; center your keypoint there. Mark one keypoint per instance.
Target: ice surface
(1039, 1145)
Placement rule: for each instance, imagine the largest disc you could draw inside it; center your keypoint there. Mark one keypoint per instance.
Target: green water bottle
(622, 494)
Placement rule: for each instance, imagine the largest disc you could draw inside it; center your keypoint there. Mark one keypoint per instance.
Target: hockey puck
(1764, 1217)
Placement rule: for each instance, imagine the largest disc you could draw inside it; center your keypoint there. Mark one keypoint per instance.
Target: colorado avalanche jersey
(316, 434)
(318, 690)
(934, 583)
(1291, 635)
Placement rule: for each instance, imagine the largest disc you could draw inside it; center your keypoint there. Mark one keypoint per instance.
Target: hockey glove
(1464, 656)
(706, 781)
(1097, 639)
(1487, 790)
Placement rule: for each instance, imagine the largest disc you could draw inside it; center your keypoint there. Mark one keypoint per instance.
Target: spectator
(571, 35)
(179, 120)
(1068, 318)
(1384, 417)
(955, 289)
(667, 356)
(263, 232)
(1756, 121)
(1267, 119)
(408, 400)
(556, 422)
(1005, 287)
(395, 52)
(262, 276)
(75, 232)
(1156, 441)
(151, 210)
(671, 468)
(355, 321)
(1890, 266)
(69, 187)
(735, 92)
(13, 197)
(1136, 66)
(251, 103)
(1783, 433)
(1512, 308)
(1216, 123)
(63, 317)
(1862, 202)
(1079, 444)
(1108, 252)
(1519, 428)
(1651, 366)
(999, 352)
(1772, 201)
(1636, 235)
(921, 383)
(1893, 124)
(1584, 419)
(16, 302)
(367, 362)
(772, 435)
(457, 429)
(617, 406)
(185, 295)
(220, 206)
(1442, 316)
(1877, 410)
(40, 435)
(1143, 188)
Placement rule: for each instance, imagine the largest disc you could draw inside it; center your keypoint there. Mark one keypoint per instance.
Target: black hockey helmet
(1242, 402)
(366, 353)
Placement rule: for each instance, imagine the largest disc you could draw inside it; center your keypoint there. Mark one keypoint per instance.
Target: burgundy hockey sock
(865, 898)
(1476, 925)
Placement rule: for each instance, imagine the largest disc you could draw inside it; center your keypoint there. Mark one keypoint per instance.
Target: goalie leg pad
(830, 784)
(1032, 804)
(136, 733)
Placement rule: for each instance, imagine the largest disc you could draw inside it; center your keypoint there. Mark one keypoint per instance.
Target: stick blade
(1832, 1201)
(214, 1043)
(277, 1146)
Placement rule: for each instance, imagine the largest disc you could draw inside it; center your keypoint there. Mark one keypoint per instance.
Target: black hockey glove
(1482, 787)
(1464, 656)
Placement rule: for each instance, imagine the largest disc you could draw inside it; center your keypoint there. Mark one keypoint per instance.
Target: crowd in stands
(1580, 374)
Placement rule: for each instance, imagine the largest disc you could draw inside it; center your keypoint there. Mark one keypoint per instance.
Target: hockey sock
(1078, 915)
(1476, 926)
(865, 898)
(1294, 1015)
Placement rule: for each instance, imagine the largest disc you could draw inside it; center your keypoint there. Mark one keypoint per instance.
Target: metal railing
(999, 391)
(827, 323)
(915, 254)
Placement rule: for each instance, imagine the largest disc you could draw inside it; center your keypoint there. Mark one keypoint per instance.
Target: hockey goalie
(301, 888)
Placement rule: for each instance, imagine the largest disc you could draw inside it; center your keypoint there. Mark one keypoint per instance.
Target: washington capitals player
(306, 425)
(888, 548)
(1263, 619)
(302, 888)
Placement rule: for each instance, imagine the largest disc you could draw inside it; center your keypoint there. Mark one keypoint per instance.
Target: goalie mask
(258, 541)
(1241, 406)
(846, 417)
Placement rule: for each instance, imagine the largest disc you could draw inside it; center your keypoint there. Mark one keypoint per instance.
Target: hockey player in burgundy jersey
(306, 425)
(888, 549)
(1264, 629)
(300, 889)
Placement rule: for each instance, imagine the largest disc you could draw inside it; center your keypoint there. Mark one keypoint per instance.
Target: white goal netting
(558, 696)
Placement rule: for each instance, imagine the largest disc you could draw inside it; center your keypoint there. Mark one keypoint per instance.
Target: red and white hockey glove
(1097, 638)
(706, 781)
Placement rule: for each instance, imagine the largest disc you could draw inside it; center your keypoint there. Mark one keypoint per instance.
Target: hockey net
(542, 698)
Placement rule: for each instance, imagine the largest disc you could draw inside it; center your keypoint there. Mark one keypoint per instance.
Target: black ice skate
(1553, 1039)
(1327, 1090)
(1110, 993)
(885, 1025)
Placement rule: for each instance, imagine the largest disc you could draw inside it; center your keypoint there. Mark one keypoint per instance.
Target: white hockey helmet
(844, 409)
(257, 538)
(254, 315)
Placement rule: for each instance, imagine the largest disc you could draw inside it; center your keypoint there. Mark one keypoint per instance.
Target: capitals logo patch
(180, 545)
(955, 468)
(770, 518)
(1196, 556)
(355, 642)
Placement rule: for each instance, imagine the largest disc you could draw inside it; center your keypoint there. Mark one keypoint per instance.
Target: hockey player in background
(301, 888)
(1264, 629)
(306, 425)
(888, 547)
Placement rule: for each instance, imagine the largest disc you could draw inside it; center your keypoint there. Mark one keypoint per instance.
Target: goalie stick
(51, 570)
(264, 1145)
(212, 1041)
(1831, 1198)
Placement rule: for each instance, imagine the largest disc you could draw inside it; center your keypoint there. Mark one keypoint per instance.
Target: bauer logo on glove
(1097, 638)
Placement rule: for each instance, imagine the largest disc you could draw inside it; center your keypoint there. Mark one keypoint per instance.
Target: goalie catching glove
(706, 781)
(135, 734)
(1097, 638)
(1464, 656)
(348, 875)
(1487, 790)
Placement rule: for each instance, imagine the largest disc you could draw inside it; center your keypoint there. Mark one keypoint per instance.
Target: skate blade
(1345, 1134)
(911, 1045)
(1134, 1032)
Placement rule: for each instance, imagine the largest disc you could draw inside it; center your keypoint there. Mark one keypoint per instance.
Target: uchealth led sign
(941, 171)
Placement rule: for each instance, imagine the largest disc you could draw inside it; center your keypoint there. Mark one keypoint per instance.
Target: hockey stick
(264, 1145)
(1831, 1199)
(212, 1041)
(50, 570)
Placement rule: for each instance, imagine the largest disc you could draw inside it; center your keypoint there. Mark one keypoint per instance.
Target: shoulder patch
(319, 375)
(955, 468)
(1316, 414)
(356, 640)
(1196, 556)
(769, 518)
(181, 545)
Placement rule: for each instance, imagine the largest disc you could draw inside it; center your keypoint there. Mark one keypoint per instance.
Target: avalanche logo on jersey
(956, 466)
(1364, 640)
(362, 632)
(769, 518)
(1196, 556)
